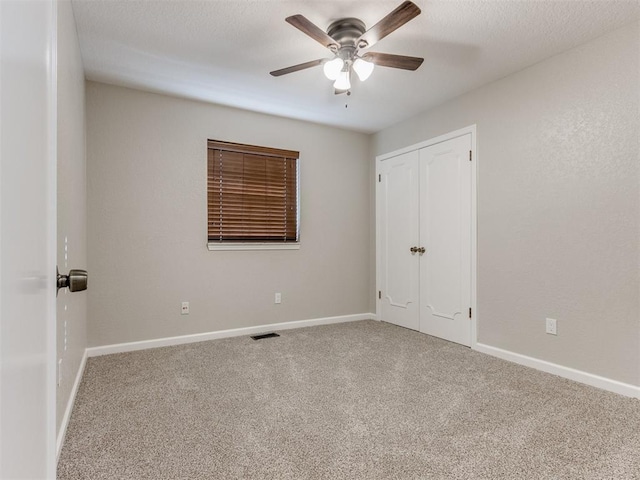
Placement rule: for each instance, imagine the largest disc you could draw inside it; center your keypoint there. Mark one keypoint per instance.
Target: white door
(445, 234)
(398, 208)
(28, 238)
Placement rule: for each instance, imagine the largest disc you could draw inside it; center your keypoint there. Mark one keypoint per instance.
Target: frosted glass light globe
(363, 68)
(342, 82)
(332, 68)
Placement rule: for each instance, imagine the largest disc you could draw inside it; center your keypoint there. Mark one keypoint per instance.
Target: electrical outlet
(185, 308)
(278, 298)
(552, 326)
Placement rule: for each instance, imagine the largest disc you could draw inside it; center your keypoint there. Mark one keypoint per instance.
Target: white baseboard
(67, 412)
(597, 381)
(234, 332)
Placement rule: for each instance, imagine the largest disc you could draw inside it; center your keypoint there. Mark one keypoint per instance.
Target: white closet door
(399, 220)
(445, 233)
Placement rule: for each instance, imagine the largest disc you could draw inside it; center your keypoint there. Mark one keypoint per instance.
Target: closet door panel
(399, 220)
(445, 234)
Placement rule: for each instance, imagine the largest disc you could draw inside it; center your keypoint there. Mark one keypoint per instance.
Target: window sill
(253, 246)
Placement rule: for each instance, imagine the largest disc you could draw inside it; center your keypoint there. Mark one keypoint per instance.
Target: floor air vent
(264, 335)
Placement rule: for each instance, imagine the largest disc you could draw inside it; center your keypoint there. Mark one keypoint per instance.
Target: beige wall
(147, 221)
(558, 206)
(72, 202)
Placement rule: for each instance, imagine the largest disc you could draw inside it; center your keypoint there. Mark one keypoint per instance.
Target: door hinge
(470, 155)
(379, 177)
(379, 293)
(469, 312)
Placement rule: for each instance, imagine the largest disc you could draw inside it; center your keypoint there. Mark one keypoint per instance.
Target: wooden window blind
(252, 193)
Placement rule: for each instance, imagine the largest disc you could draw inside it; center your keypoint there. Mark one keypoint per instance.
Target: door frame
(471, 129)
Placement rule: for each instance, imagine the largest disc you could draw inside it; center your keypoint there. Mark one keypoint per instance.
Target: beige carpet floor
(362, 400)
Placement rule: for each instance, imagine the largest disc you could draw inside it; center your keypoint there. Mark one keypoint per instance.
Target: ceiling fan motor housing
(346, 32)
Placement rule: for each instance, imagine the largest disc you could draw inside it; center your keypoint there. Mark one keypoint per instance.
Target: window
(252, 197)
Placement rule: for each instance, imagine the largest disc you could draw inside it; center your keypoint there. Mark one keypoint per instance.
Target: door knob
(413, 249)
(421, 250)
(76, 281)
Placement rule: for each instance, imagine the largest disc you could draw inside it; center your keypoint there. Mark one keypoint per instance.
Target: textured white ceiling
(223, 50)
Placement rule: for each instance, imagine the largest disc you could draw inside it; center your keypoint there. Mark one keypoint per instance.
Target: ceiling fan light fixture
(342, 82)
(332, 68)
(345, 37)
(363, 68)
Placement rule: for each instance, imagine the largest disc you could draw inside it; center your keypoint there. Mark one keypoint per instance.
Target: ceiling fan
(345, 38)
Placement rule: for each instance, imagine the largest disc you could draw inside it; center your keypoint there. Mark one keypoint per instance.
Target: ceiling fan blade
(310, 29)
(401, 15)
(296, 68)
(393, 61)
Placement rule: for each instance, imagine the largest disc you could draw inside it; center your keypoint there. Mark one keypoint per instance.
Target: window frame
(255, 150)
